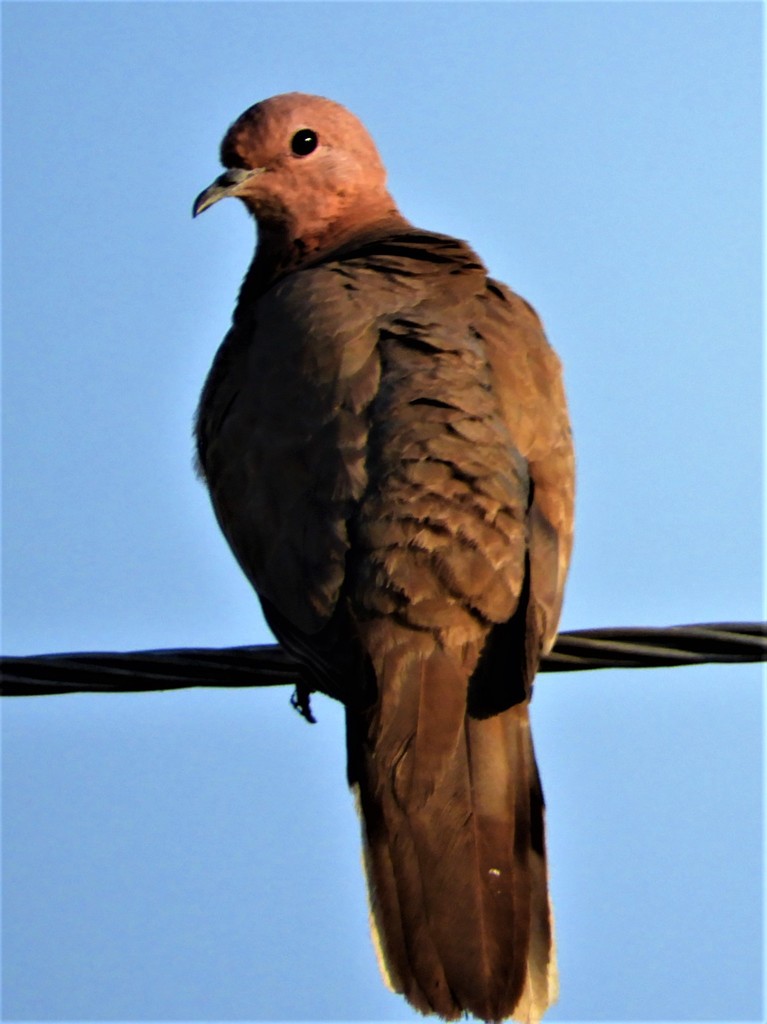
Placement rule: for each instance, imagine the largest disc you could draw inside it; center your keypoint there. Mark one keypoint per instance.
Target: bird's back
(386, 441)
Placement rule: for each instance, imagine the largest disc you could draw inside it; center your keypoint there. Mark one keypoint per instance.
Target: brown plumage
(385, 439)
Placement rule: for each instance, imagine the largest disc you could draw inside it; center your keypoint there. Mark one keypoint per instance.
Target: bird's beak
(226, 184)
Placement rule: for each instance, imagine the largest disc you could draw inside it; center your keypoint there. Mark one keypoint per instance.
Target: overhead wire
(268, 665)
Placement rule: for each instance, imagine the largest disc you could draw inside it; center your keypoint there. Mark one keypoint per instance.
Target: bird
(385, 439)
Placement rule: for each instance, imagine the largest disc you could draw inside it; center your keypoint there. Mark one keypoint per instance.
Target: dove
(385, 438)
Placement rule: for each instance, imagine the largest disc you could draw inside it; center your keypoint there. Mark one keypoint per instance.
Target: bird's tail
(454, 846)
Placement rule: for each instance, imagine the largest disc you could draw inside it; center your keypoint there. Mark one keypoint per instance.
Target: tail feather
(454, 851)
(400, 942)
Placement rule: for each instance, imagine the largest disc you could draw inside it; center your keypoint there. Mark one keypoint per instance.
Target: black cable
(268, 665)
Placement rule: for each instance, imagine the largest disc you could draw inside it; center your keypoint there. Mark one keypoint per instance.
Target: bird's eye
(304, 142)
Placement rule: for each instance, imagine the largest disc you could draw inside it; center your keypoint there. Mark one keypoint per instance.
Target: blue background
(196, 855)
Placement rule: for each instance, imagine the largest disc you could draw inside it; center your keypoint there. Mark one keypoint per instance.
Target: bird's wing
(528, 380)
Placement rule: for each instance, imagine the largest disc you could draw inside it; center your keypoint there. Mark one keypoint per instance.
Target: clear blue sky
(196, 855)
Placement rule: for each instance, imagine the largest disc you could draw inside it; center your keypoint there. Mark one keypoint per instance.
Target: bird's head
(307, 170)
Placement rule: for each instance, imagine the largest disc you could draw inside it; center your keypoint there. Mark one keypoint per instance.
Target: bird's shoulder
(375, 274)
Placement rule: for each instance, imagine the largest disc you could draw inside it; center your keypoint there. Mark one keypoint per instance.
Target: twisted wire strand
(268, 665)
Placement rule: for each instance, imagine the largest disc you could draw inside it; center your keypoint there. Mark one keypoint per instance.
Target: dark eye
(304, 142)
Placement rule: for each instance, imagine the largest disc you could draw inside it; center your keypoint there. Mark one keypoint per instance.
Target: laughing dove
(385, 438)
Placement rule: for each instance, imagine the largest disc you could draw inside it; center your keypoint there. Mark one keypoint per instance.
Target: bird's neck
(282, 248)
